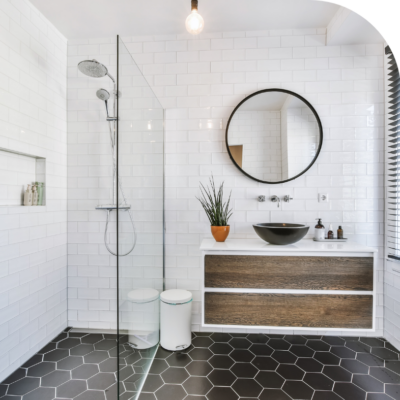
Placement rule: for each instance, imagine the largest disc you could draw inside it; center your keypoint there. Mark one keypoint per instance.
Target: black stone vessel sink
(277, 233)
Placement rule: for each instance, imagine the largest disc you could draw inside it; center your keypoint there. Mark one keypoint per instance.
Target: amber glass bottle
(340, 233)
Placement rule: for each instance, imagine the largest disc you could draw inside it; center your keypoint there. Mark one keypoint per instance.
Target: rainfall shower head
(94, 69)
(103, 94)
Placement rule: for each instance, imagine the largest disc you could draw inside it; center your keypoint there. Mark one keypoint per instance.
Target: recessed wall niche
(17, 170)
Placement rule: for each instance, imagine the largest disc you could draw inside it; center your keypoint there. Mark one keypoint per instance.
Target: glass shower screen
(140, 222)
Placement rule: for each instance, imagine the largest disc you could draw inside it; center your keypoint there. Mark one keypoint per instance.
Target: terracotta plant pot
(220, 233)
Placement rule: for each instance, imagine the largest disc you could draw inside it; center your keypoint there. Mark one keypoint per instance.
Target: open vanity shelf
(309, 285)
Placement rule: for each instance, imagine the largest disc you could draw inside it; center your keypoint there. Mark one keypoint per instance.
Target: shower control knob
(287, 198)
(261, 199)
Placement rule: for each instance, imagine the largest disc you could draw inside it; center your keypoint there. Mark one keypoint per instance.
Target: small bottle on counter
(330, 232)
(28, 196)
(340, 233)
(319, 232)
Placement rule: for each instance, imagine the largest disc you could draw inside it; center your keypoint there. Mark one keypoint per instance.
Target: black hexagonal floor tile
(131, 359)
(23, 386)
(337, 373)
(68, 343)
(202, 333)
(343, 352)
(274, 394)
(221, 348)
(168, 392)
(372, 342)
(36, 359)
(349, 391)
(289, 371)
(71, 389)
(247, 387)
(70, 362)
(200, 354)
(298, 390)
(326, 358)
(265, 363)
(197, 385)
(242, 355)
(41, 393)
(82, 350)
(56, 355)
(41, 369)
(56, 378)
(244, 370)
(105, 344)
(85, 371)
(368, 383)
(279, 344)
(221, 377)
(158, 366)
(221, 337)
(358, 347)
(257, 338)
(240, 343)
(318, 381)
(370, 360)
(301, 351)
(318, 345)
(270, 379)
(354, 366)
(109, 365)
(15, 376)
(220, 361)
(295, 339)
(47, 348)
(260, 349)
(92, 395)
(333, 340)
(393, 366)
(393, 391)
(96, 357)
(323, 395)
(175, 375)
(385, 375)
(222, 393)
(152, 383)
(199, 368)
(284, 357)
(384, 353)
(101, 381)
(92, 338)
(202, 341)
(309, 365)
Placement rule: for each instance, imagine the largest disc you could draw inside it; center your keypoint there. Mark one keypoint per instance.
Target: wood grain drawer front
(293, 310)
(281, 272)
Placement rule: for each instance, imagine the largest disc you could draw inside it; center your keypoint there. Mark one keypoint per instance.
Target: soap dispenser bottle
(34, 195)
(319, 232)
(330, 232)
(28, 196)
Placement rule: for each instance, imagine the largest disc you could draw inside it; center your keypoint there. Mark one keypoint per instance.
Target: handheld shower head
(103, 94)
(94, 69)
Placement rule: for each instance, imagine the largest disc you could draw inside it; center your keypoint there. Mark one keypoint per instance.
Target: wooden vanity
(308, 285)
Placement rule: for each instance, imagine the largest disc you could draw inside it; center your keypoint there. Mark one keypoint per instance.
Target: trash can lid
(143, 295)
(176, 296)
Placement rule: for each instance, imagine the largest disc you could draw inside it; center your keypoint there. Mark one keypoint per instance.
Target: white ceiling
(103, 18)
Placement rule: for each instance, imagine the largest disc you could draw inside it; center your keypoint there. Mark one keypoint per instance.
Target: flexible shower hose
(123, 196)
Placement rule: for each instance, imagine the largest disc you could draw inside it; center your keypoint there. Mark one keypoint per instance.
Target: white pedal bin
(176, 317)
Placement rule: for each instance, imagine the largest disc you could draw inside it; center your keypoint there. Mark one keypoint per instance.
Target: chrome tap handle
(287, 198)
(261, 199)
(275, 199)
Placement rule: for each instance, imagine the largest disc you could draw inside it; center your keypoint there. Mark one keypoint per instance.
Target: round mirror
(274, 136)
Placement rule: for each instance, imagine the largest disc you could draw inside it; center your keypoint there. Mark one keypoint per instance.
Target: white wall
(33, 245)
(200, 80)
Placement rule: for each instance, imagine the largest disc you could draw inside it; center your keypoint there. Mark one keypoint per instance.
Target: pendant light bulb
(194, 22)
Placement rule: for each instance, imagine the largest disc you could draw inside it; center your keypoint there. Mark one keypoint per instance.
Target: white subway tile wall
(33, 240)
(199, 80)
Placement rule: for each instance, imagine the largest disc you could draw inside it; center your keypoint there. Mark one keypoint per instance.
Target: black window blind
(393, 157)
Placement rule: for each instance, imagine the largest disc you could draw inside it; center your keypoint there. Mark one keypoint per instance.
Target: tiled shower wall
(33, 240)
(200, 80)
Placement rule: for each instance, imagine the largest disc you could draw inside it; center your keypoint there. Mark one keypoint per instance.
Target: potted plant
(217, 211)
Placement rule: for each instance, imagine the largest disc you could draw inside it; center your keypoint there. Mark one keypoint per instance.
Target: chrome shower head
(94, 69)
(103, 94)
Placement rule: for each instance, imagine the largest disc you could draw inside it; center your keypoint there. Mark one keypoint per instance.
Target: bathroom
(119, 213)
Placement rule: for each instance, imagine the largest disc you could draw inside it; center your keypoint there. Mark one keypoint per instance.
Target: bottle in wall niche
(330, 232)
(28, 196)
(319, 232)
(34, 196)
(39, 188)
(340, 233)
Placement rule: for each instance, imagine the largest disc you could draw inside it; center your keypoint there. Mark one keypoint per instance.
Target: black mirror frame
(321, 134)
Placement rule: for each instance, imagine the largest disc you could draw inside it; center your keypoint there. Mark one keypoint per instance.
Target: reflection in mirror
(273, 136)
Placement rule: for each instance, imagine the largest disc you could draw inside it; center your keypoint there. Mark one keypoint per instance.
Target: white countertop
(305, 245)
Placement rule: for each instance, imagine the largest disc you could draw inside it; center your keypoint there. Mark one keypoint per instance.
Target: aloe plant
(212, 201)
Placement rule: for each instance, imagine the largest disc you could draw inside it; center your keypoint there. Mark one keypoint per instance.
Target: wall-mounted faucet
(287, 198)
(275, 199)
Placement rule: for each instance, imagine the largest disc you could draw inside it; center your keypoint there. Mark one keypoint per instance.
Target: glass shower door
(140, 222)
